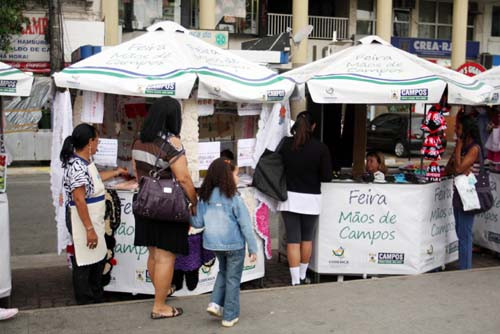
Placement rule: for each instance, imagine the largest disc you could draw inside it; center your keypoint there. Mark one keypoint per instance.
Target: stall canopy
(375, 72)
(492, 78)
(167, 60)
(14, 82)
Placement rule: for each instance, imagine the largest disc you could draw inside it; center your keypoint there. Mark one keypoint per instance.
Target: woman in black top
(307, 164)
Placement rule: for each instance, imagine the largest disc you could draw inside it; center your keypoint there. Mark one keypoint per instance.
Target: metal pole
(55, 31)
(423, 139)
(409, 133)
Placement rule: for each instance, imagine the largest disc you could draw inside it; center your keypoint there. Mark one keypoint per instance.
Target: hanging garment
(432, 148)
(97, 208)
(188, 266)
(433, 173)
(434, 121)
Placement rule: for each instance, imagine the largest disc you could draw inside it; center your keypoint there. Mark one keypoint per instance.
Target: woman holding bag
(466, 159)
(86, 207)
(159, 144)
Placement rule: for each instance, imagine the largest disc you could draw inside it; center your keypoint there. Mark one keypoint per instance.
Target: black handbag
(161, 199)
(483, 190)
(269, 176)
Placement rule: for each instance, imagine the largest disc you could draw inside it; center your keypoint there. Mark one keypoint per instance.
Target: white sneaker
(230, 323)
(7, 313)
(214, 309)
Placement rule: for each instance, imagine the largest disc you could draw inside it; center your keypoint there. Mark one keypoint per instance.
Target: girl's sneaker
(230, 323)
(214, 309)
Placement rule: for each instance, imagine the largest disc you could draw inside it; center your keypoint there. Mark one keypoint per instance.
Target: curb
(13, 171)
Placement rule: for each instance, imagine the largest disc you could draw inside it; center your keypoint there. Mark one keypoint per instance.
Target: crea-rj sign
(426, 47)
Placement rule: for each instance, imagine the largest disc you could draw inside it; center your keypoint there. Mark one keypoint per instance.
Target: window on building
(235, 25)
(436, 19)
(365, 14)
(139, 14)
(401, 22)
(495, 21)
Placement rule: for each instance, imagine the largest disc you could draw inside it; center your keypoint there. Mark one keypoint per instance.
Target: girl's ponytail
(67, 150)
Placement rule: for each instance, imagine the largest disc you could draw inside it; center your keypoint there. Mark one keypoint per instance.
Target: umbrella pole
(409, 133)
(423, 139)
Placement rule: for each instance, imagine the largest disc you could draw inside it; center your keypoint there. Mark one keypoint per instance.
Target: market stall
(216, 116)
(486, 230)
(491, 77)
(405, 226)
(12, 83)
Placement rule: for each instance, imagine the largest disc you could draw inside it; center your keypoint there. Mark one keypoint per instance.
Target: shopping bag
(466, 187)
(493, 142)
(269, 176)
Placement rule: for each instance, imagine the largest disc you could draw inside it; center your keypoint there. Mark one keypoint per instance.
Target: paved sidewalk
(449, 302)
(42, 281)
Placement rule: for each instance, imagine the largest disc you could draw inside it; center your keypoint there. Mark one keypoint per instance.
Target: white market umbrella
(14, 82)
(491, 77)
(167, 60)
(375, 72)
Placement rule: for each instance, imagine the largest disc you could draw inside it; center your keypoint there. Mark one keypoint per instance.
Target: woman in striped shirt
(466, 160)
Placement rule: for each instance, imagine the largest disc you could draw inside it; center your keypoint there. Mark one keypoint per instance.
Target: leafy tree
(11, 21)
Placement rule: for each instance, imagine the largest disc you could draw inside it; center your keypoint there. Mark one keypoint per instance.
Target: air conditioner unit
(404, 4)
(486, 59)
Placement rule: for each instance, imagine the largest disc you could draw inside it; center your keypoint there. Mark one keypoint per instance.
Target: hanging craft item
(434, 125)
(433, 172)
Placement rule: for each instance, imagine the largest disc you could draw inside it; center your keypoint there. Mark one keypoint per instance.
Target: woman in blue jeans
(466, 160)
(227, 226)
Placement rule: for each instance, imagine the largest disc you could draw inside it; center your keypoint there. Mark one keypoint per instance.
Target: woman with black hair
(86, 208)
(466, 159)
(159, 138)
(307, 164)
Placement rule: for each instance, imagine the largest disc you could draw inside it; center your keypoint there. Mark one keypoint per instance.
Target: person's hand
(91, 239)
(253, 257)
(192, 209)
(121, 171)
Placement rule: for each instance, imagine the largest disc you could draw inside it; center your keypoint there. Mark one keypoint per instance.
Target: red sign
(471, 69)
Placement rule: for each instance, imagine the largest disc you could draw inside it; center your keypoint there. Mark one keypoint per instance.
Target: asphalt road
(32, 224)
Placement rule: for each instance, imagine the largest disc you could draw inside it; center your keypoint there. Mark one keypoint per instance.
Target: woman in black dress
(164, 239)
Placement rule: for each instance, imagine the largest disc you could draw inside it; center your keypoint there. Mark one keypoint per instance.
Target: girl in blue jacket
(227, 226)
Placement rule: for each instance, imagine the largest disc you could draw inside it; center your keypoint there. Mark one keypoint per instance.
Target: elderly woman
(86, 207)
(160, 138)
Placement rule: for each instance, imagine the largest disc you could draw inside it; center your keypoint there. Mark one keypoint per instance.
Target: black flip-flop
(172, 290)
(176, 311)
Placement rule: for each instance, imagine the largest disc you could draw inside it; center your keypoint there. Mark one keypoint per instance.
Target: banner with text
(486, 230)
(130, 273)
(384, 228)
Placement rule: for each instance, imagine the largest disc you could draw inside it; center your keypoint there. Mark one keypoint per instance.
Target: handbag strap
(156, 172)
(481, 160)
(278, 148)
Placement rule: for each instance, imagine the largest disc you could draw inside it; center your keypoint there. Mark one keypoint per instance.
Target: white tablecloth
(5, 280)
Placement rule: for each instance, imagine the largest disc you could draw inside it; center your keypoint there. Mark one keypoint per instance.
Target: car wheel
(400, 150)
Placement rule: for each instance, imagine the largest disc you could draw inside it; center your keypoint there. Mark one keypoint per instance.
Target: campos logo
(414, 94)
(339, 252)
(494, 237)
(391, 258)
(161, 89)
(275, 95)
(8, 86)
(452, 247)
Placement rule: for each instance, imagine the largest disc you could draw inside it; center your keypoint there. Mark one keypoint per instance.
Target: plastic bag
(466, 187)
